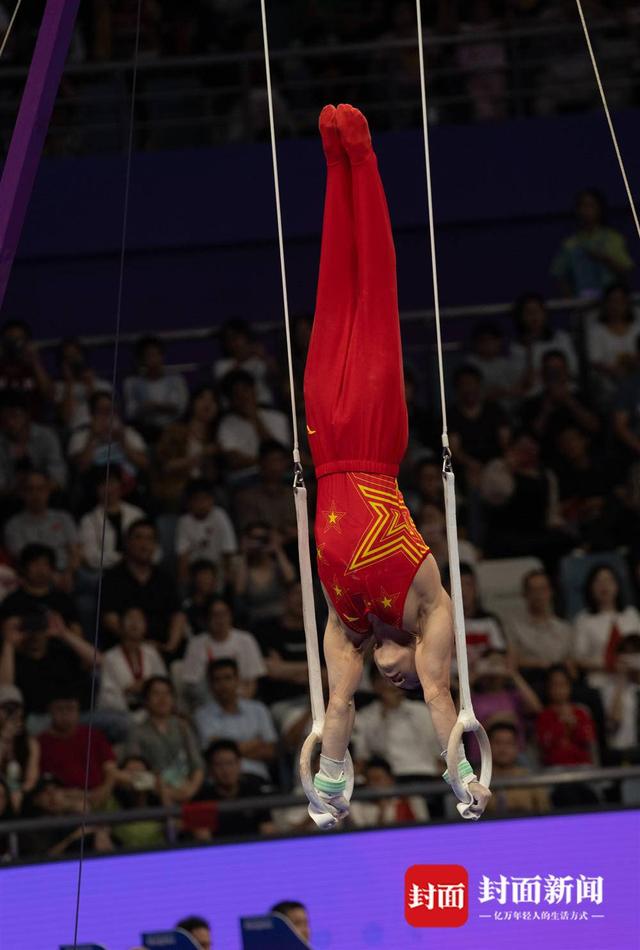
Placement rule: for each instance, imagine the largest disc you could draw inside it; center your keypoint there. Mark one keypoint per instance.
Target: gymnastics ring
(306, 776)
(467, 722)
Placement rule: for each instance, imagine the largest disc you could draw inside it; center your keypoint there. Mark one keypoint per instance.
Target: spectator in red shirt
(64, 748)
(565, 730)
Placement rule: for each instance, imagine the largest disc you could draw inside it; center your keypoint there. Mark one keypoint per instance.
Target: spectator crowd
(149, 567)
(487, 58)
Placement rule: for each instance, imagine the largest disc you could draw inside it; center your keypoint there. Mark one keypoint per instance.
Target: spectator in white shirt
(106, 439)
(205, 532)
(154, 398)
(78, 383)
(535, 336)
(229, 716)
(120, 515)
(602, 624)
(399, 730)
(242, 352)
(39, 524)
(221, 640)
(247, 425)
(126, 667)
(612, 341)
(538, 637)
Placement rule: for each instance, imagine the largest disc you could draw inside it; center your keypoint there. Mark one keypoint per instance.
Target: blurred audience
(187, 450)
(222, 640)
(565, 730)
(153, 398)
(74, 756)
(225, 781)
(167, 743)
(603, 622)
(595, 256)
(137, 582)
(537, 636)
(386, 811)
(261, 574)
(505, 751)
(228, 715)
(205, 532)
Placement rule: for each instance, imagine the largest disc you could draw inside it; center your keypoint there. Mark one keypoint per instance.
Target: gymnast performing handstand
(383, 588)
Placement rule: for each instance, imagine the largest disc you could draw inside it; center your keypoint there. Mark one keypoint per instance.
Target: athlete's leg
(337, 276)
(337, 283)
(375, 378)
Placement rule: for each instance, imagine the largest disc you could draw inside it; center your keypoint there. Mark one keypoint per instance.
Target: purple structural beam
(30, 132)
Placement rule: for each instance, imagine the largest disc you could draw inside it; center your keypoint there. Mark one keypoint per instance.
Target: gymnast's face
(397, 663)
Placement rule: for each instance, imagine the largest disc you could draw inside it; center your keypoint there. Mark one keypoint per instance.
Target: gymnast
(383, 590)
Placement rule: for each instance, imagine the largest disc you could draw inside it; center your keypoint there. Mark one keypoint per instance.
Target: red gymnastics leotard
(368, 547)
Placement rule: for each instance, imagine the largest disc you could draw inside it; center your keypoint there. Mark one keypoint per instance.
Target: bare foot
(331, 144)
(354, 133)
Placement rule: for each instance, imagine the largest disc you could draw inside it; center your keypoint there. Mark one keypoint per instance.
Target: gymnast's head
(394, 665)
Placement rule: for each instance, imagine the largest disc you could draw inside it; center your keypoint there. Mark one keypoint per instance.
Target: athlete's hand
(473, 810)
(336, 808)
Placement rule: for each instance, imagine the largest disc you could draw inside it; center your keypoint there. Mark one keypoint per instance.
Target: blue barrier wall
(202, 224)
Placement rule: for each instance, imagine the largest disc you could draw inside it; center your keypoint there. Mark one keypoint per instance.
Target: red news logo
(436, 895)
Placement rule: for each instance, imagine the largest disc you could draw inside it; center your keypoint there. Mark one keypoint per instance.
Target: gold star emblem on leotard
(390, 530)
(337, 590)
(333, 518)
(320, 552)
(386, 600)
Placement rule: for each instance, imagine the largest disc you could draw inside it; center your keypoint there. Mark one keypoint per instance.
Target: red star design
(333, 518)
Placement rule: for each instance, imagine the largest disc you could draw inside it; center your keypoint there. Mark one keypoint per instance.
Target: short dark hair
(467, 369)
(283, 907)
(226, 662)
(219, 599)
(64, 692)
(555, 354)
(500, 725)
(558, 668)
(193, 923)
(97, 397)
(202, 564)
(535, 572)
(199, 486)
(598, 196)
(486, 328)
(17, 325)
(237, 377)
(270, 447)
(519, 308)
(236, 325)
(141, 523)
(379, 762)
(589, 599)
(151, 682)
(145, 343)
(99, 474)
(222, 745)
(34, 552)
